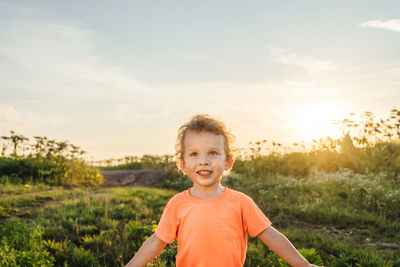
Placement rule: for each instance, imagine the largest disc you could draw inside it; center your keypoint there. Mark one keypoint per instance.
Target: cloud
(125, 111)
(59, 65)
(310, 64)
(13, 119)
(391, 24)
(55, 55)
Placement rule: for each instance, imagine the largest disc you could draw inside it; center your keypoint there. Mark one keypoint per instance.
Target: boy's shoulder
(238, 194)
(179, 197)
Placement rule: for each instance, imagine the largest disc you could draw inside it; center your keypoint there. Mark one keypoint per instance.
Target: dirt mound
(132, 177)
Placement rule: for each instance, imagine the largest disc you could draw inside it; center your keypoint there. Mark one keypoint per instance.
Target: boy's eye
(213, 153)
(194, 154)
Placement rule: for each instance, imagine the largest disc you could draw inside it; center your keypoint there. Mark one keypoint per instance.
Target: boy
(211, 221)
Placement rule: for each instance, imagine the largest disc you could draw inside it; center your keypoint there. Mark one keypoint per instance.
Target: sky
(118, 78)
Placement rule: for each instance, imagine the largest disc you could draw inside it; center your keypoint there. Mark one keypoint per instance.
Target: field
(339, 202)
(338, 219)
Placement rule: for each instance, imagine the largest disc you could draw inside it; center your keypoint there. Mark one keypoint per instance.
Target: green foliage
(382, 157)
(58, 249)
(49, 162)
(101, 227)
(21, 246)
(82, 257)
(175, 180)
(138, 163)
(139, 233)
(311, 255)
(48, 170)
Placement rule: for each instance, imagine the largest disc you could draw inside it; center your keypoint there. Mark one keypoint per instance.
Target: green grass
(14, 189)
(340, 219)
(82, 227)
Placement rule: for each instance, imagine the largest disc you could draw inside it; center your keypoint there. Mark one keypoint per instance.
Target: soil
(132, 177)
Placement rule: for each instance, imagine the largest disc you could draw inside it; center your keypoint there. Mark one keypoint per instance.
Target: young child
(211, 221)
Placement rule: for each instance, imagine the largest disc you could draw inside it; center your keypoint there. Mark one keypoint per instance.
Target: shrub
(21, 246)
(48, 170)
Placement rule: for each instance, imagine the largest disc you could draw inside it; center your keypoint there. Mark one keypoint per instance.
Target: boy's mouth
(204, 172)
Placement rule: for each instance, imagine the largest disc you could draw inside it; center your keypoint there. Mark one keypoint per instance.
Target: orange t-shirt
(211, 232)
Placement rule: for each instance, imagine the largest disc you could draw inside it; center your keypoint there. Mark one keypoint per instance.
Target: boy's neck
(207, 192)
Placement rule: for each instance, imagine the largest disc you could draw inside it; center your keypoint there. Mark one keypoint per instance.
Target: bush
(48, 170)
(21, 246)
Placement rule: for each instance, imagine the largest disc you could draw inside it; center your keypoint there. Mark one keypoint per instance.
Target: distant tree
(40, 146)
(61, 147)
(15, 139)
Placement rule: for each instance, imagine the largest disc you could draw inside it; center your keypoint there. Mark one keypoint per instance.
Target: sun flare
(316, 121)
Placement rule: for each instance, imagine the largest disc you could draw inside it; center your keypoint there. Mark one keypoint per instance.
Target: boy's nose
(204, 160)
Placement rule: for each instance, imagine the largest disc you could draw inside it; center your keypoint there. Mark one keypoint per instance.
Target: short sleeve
(254, 219)
(168, 225)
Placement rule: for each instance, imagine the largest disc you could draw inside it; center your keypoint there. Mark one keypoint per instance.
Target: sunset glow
(316, 121)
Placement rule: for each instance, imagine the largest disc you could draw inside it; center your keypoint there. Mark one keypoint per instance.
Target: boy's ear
(229, 162)
(182, 164)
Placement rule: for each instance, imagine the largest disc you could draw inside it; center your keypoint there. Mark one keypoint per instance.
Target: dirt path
(348, 234)
(132, 177)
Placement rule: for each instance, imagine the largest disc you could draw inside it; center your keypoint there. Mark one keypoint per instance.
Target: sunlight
(316, 121)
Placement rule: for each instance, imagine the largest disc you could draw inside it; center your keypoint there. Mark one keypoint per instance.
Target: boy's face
(204, 158)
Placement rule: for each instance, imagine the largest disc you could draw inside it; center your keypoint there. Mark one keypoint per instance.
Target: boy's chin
(206, 183)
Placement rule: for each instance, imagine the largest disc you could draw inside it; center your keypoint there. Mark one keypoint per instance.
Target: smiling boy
(211, 221)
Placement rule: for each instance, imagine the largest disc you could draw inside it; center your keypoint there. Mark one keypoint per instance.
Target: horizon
(356, 127)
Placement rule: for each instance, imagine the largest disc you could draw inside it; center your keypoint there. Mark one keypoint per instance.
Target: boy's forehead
(203, 138)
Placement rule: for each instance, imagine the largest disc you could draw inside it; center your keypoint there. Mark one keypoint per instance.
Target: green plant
(21, 246)
(311, 255)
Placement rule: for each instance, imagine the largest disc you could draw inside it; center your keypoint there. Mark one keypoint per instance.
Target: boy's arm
(282, 247)
(148, 251)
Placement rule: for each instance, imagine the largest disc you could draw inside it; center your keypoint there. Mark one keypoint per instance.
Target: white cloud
(55, 55)
(13, 119)
(310, 64)
(391, 24)
(125, 111)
